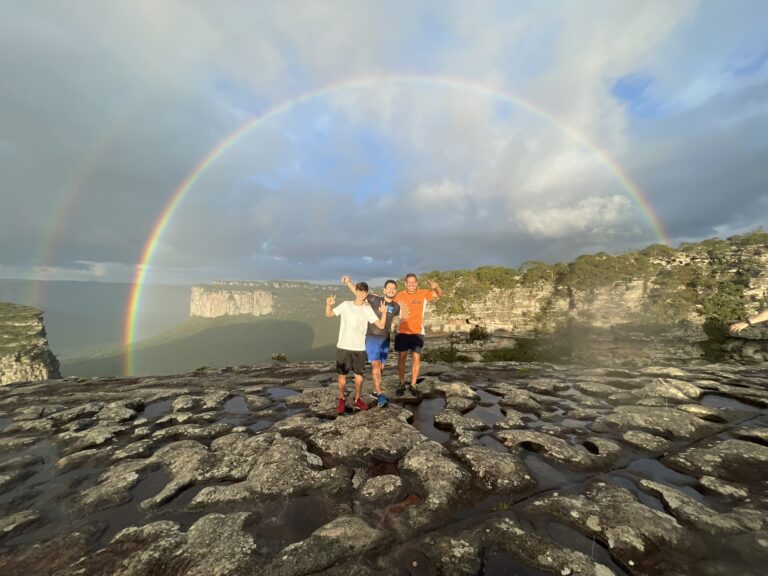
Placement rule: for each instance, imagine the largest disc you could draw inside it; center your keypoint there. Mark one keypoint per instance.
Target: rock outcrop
(207, 302)
(495, 469)
(528, 308)
(24, 352)
(281, 298)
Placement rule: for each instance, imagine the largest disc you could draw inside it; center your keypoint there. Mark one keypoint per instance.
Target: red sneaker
(341, 406)
(360, 405)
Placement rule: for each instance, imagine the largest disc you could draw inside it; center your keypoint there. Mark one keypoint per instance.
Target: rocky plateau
(499, 468)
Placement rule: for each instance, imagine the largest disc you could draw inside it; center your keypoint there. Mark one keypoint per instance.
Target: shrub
(448, 355)
(478, 333)
(278, 357)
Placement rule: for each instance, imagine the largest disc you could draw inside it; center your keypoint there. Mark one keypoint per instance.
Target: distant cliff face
(24, 353)
(230, 299)
(679, 288)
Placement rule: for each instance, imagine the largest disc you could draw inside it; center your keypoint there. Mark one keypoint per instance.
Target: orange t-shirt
(416, 303)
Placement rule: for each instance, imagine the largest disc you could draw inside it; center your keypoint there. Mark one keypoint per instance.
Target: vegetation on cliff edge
(707, 278)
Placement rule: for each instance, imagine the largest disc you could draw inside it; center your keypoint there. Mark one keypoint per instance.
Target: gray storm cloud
(107, 107)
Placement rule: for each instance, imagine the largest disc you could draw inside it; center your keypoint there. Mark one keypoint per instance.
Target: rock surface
(498, 468)
(24, 352)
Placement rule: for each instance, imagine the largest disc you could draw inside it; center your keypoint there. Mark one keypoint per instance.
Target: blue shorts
(377, 348)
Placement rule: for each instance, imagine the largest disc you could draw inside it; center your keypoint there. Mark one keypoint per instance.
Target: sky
(375, 138)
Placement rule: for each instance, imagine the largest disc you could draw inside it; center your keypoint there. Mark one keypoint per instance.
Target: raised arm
(347, 281)
(436, 288)
(756, 319)
(329, 302)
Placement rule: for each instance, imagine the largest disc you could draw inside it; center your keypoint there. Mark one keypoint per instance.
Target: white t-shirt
(354, 324)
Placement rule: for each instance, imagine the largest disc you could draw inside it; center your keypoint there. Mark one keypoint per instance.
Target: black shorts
(347, 360)
(412, 342)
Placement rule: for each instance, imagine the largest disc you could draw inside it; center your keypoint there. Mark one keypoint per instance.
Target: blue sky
(107, 107)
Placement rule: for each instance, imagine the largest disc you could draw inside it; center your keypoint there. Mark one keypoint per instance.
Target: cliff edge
(24, 352)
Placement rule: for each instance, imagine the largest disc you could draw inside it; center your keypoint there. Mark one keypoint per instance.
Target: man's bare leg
(342, 384)
(376, 370)
(415, 367)
(358, 386)
(401, 360)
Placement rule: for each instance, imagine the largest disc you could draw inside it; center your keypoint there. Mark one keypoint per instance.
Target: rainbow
(232, 139)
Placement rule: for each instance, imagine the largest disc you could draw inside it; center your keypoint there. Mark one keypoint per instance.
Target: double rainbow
(184, 187)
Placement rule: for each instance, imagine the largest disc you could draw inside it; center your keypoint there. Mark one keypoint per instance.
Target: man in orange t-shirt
(410, 335)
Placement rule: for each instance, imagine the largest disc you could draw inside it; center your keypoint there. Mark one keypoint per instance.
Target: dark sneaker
(341, 406)
(415, 392)
(375, 395)
(382, 401)
(400, 390)
(360, 405)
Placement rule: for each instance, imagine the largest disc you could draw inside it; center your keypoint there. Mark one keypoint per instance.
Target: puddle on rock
(726, 403)
(488, 504)
(152, 411)
(43, 472)
(130, 514)
(424, 419)
(277, 393)
(489, 441)
(235, 411)
(411, 562)
(286, 521)
(274, 414)
(486, 397)
(575, 424)
(548, 475)
(489, 415)
(502, 564)
(654, 470)
(629, 483)
(236, 405)
(50, 494)
(260, 425)
(572, 539)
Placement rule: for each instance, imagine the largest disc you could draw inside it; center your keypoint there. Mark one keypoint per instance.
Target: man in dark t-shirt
(377, 339)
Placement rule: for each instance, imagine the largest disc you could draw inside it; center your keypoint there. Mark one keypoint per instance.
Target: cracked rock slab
(559, 450)
(342, 538)
(286, 468)
(494, 471)
(380, 434)
(630, 529)
(734, 460)
(666, 422)
(439, 475)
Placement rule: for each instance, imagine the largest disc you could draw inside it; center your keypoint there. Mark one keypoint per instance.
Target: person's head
(411, 282)
(390, 288)
(361, 289)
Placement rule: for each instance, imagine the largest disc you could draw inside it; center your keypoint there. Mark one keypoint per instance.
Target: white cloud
(108, 107)
(591, 216)
(444, 194)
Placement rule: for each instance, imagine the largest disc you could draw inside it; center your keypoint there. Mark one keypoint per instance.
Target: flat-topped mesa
(230, 299)
(257, 298)
(24, 352)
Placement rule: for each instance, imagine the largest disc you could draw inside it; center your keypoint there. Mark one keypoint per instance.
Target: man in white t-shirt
(350, 349)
